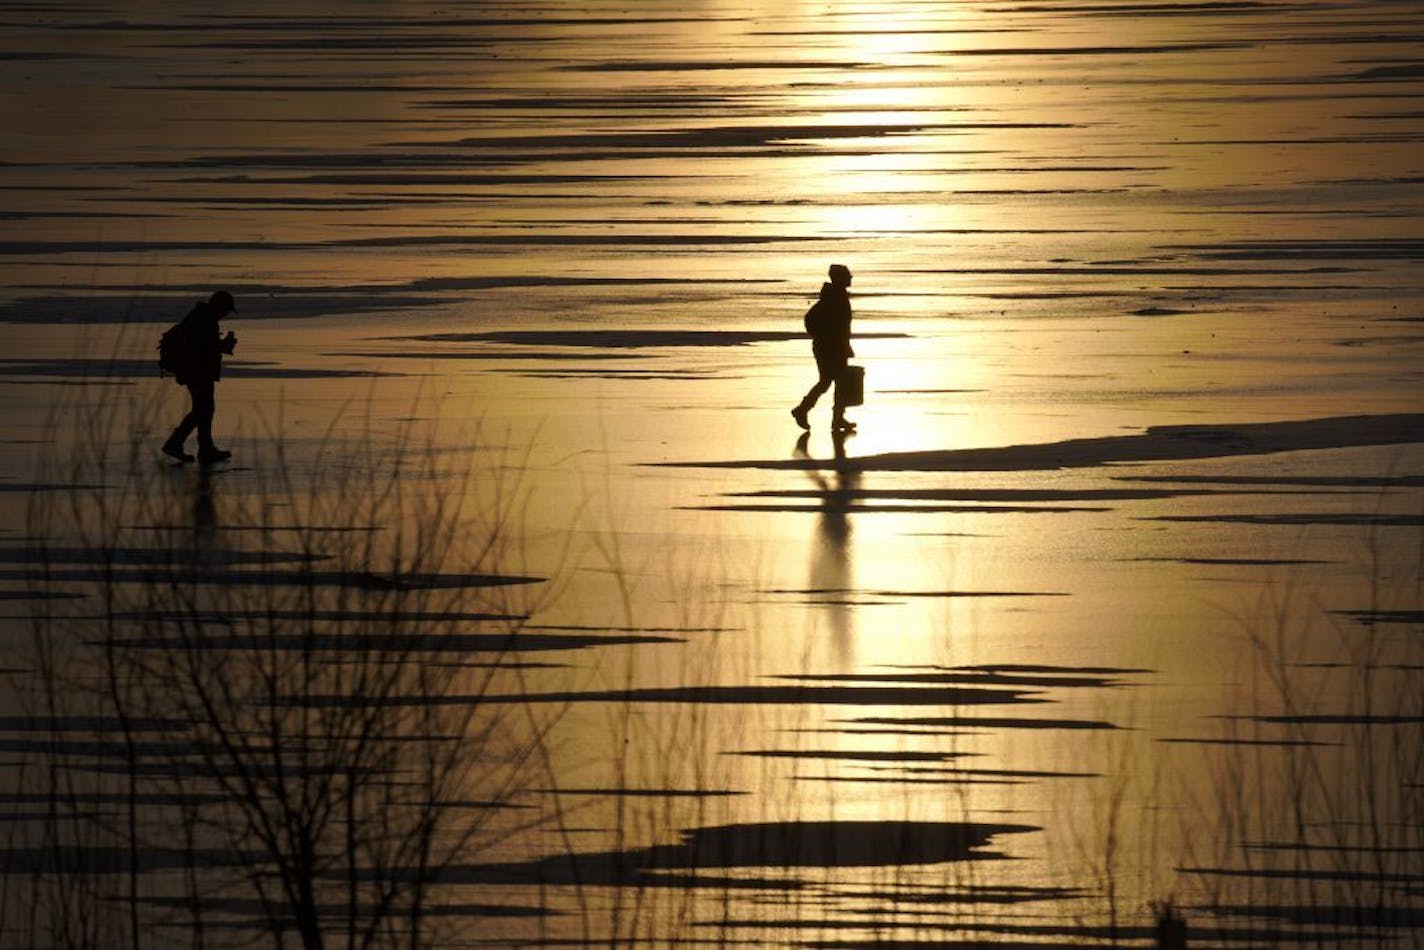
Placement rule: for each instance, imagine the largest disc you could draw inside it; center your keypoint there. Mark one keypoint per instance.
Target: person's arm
(229, 342)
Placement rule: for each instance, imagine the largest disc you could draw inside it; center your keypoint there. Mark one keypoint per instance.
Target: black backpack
(815, 320)
(175, 352)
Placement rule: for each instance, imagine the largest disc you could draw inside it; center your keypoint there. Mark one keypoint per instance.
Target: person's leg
(826, 376)
(174, 445)
(839, 423)
(204, 405)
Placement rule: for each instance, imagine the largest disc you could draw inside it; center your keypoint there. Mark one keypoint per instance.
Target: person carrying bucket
(828, 323)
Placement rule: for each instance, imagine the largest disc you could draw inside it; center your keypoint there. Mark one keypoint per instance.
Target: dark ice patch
(785, 845)
(628, 339)
(1157, 444)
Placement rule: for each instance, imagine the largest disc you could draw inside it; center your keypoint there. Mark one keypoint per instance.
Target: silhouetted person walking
(828, 322)
(197, 360)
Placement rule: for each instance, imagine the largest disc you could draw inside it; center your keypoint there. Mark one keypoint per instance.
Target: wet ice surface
(1112, 600)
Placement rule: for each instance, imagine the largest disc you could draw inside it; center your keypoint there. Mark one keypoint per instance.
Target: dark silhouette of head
(222, 302)
(840, 275)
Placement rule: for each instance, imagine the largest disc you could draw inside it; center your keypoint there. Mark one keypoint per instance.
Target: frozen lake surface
(525, 615)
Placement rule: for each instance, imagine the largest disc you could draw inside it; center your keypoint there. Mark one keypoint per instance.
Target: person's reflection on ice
(205, 516)
(832, 571)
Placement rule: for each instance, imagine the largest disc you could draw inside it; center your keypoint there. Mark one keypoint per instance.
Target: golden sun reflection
(921, 389)
(889, 181)
(527, 567)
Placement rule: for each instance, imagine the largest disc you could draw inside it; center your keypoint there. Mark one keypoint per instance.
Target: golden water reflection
(1082, 238)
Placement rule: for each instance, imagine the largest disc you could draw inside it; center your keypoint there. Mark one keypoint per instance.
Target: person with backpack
(828, 323)
(192, 350)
